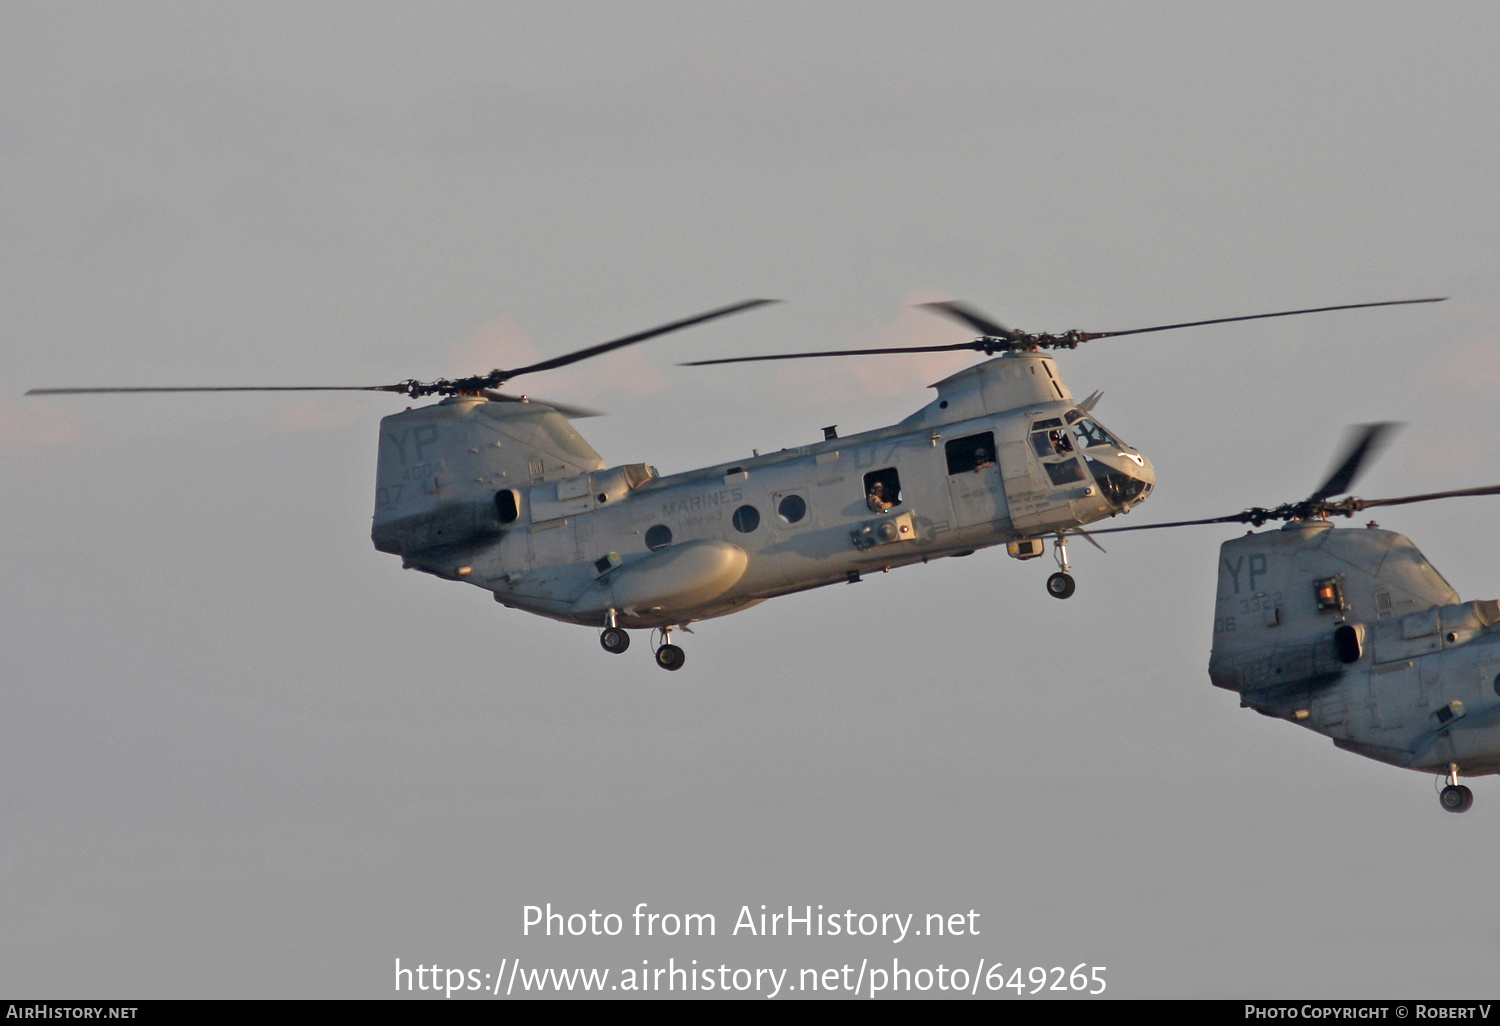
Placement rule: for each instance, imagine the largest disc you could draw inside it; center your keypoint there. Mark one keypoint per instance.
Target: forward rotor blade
(223, 388)
(973, 318)
(571, 412)
(836, 352)
(605, 347)
(1257, 317)
(1295, 511)
(1407, 499)
(1233, 518)
(1361, 447)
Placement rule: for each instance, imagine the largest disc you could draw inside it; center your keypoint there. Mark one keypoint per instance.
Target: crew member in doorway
(876, 500)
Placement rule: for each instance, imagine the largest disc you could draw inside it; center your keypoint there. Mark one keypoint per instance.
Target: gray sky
(249, 756)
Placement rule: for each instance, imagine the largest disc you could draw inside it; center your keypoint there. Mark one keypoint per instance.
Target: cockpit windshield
(1090, 435)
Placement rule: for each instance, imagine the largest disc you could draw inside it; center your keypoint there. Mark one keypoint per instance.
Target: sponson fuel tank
(688, 575)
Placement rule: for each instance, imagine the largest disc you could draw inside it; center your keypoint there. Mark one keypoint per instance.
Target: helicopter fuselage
(1353, 634)
(508, 497)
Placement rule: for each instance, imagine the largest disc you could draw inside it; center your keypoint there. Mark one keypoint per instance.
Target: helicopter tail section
(1297, 605)
(446, 473)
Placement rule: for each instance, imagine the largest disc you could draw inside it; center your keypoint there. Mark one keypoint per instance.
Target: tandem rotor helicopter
(501, 492)
(1351, 633)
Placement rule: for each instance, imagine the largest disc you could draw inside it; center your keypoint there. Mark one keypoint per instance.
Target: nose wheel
(1061, 584)
(1455, 797)
(614, 640)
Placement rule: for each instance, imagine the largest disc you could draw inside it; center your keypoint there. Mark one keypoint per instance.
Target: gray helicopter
(501, 492)
(1351, 633)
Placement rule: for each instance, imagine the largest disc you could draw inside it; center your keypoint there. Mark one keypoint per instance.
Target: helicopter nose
(1145, 473)
(1125, 477)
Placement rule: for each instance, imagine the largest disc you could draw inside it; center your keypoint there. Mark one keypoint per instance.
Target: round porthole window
(658, 537)
(1497, 684)
(792, 508)
(746, 519)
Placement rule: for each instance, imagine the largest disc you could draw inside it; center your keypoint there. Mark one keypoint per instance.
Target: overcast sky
(247, 755)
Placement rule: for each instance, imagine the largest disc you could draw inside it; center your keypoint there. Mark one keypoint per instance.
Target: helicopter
(1351, 633)
(500, 491)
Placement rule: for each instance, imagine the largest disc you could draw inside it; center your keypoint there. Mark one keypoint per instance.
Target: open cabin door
(974, 483)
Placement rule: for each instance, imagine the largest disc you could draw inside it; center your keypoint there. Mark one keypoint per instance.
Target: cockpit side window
(1048, 440)
(1051, 441)
(1065, 472)
(972, 452)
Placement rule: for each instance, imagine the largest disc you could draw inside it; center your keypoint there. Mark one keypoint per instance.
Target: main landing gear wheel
(1456, 798)
(670, 657)
(1060, 585)
(613, 640)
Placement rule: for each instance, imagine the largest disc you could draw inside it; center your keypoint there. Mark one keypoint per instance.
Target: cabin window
(882, 489)
(658, 537)
(506, 506)
(746, 519)
(791, 508)
(972, 452)
(1348, 642)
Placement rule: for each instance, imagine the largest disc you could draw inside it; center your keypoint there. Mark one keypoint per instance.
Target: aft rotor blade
(1257, 317)
(837, 352)
(641, 336)
(973, 318)
(1360, 448)
(958, 311)
(223, 388)
(1407, 499)
(571, 412)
